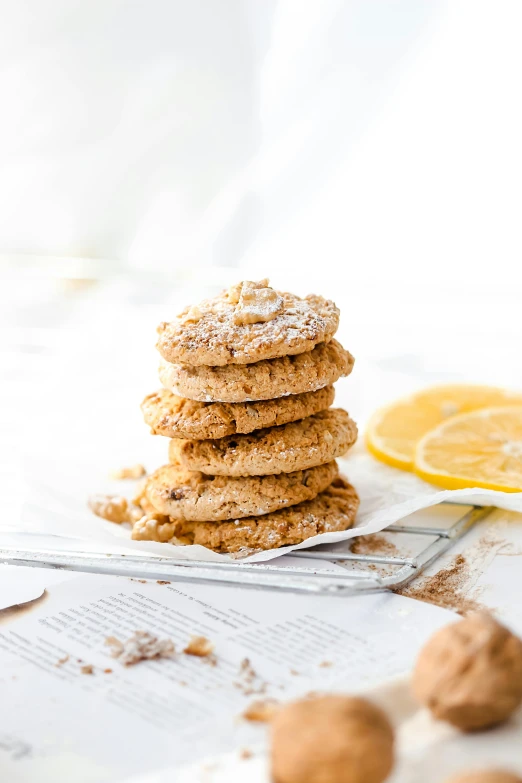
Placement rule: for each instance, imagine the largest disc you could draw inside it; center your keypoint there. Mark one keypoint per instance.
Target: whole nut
(470, 673)
(331, 739)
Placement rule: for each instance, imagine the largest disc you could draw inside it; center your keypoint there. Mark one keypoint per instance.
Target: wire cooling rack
(406, 551)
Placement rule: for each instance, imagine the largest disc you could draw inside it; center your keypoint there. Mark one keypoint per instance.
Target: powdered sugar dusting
(248, 323)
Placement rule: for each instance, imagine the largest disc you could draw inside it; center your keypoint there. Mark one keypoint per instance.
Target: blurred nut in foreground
(486, 776)
(331, 739)
(470, 673)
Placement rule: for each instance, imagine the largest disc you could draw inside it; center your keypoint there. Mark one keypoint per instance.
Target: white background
(379, 140)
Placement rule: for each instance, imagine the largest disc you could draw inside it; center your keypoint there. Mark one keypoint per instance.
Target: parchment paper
(387, 496)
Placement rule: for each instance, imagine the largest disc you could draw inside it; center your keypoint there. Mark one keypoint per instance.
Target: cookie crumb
(107, 671)
(141, 646)
(245, 753)
(247, 670)
(162, 582)
(249, 683)
(295, 673)
(61, 661)
(325, 664)
(199, 646)
(261, 711)
(132, 472)
(87, 668)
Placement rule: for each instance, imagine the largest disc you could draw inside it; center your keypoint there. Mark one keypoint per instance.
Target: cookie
(332, 510)
(175, 417)
(247, 323)
(296, 446)
(190, 495)
(264, 380)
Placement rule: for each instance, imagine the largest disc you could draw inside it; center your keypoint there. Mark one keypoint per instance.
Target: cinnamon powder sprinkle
(373, 544)
(445, 589)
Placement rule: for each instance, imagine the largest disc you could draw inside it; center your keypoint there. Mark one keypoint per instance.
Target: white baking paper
(387, 496)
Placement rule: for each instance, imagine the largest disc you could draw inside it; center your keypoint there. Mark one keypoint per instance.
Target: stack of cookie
(247, 380)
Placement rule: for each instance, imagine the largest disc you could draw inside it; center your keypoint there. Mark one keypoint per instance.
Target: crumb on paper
(245, 753)
(183, 683)
(295, 673)
(141, 646)
(247, 670)
(107, 671)
(249, 683)
(162, 582)
(261, 711)
(131, 472)
(87, 668)
(133, 579)
(200, 646)
(61, 661)
(325, 664)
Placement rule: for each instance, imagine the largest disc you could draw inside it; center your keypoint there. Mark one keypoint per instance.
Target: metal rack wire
(358, 573)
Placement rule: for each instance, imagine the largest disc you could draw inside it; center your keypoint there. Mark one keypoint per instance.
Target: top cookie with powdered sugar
(247, 323)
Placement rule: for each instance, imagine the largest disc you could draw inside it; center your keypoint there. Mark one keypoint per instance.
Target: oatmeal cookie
(173, 416)
(265, 380)
(190, 495)
(332, 510)
(247, 323)
(296, 446)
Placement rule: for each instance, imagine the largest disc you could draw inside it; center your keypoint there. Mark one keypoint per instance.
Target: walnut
(331, 739)
(200, 646)
(192, 315)
(470, 673)
(134, 513)
(234, 293)
(257, 303)
(110, 507)
(153, 527)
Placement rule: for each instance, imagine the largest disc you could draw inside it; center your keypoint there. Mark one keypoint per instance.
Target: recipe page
(71, 711)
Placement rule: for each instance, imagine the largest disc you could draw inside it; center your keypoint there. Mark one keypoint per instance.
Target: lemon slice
(394, 431)
(478, 449)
